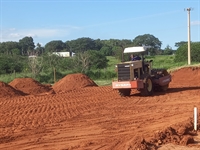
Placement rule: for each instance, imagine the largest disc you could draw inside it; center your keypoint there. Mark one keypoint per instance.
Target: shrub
(182, 53)
(8, 64)
(49, 77)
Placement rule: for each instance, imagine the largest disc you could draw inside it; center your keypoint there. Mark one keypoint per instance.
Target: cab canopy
(136, 49)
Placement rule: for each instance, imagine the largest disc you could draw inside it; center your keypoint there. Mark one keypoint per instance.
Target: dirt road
(95, 117)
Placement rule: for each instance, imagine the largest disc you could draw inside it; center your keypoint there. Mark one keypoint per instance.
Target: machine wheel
(160, 73)
(161, 88)
(124, 92)
(165, 87)
(148, 86)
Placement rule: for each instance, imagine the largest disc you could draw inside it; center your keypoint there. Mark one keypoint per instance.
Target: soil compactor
(140, 75)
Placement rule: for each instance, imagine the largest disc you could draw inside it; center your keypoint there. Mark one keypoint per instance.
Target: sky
(48, 20)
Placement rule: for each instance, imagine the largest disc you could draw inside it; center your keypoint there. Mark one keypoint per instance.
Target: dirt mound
(180, 134)
(189, 76)
(30, 86)
(72, 82)
(8, 91)
(139, 143)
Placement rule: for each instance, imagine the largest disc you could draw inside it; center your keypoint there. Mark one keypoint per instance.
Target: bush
(8, 64)
(49, 77)
(182, 53)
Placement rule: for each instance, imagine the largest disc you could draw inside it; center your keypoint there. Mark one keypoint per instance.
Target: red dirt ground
(92, 117)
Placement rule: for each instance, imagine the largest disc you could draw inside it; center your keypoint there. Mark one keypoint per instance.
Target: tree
(81, 45)
(2, 47)
(111, 42)
(168, 50)
(39, 49)
(182, 52)
(110, 47)
(55, 46)
(97, 44)
(15, 51)
(81, 62)
(148, 40)
(27, 45)
(178, 44)
(97, 60)
(50, 62)
(8, 64)
(120, 49)
(7, 47)
(35, 65)
(118, 52)
(106, 50)
(88, 60)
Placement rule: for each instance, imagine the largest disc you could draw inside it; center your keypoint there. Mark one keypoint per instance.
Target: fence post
(14, 74)
(54, 74)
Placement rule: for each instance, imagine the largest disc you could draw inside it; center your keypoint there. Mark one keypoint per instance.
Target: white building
(64, 54)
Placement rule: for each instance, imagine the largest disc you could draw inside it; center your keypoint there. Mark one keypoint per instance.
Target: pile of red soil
(72, 82)
(8, 91)
(30, 86)
(189, 76)
(180, 134)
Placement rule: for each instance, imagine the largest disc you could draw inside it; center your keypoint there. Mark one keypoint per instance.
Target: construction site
(77, 114)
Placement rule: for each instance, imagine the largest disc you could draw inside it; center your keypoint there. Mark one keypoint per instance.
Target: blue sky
(47, 20)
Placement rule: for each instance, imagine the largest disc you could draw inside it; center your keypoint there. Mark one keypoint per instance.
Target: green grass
(166, 62)
(103, 82)
(184, 66)
(112, 62)
(9, 77)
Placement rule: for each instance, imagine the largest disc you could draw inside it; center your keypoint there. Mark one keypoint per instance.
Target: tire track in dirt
(55, 110)
(75, 106)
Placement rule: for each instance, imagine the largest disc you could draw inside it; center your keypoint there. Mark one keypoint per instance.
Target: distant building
(64, 54)
(32, 56)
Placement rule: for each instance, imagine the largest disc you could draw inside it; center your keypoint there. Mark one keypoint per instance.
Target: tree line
(89, 59)
(111, 47)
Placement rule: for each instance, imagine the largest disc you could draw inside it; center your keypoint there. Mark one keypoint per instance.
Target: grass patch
(184, 66)
(167, 62)
(7, 78)
(112, 62)
(103, 82)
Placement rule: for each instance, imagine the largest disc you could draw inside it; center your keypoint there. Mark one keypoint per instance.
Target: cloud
(135, 18)
(14, 34)
(43, 33)
(12, 29)
(195, 23)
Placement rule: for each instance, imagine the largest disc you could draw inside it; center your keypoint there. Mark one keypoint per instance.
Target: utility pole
(189, 52)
